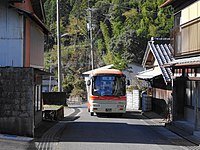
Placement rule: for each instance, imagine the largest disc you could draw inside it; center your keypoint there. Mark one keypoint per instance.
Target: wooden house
(22, 36)
(186, 66)
(157, 54)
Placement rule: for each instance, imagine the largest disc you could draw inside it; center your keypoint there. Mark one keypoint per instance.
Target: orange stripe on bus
(107, 98)
(107, 71)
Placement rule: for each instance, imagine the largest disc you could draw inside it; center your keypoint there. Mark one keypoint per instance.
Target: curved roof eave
(167, 3)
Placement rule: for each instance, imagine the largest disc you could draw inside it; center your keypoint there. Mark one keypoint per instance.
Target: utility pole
(59, 49)
(91, 38)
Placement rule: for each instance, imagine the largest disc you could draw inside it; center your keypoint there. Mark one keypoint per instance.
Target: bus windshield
(109, 85)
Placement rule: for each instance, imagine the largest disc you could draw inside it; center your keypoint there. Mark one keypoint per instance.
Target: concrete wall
(133, 100)
(16, 101)
(74, 100)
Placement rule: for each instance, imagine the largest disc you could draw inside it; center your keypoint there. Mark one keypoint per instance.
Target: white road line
(79, 112)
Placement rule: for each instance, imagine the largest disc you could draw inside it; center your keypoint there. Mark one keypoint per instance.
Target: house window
(189, 38)
(37, 97)
(177, 32)
(190, 31)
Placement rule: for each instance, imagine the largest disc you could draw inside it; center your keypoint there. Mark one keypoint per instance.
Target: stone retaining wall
(16, 101)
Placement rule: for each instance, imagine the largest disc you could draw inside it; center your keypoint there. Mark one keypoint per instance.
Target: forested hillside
(121, 29)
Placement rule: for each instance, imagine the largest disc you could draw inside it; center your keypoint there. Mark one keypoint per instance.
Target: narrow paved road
(81, 131)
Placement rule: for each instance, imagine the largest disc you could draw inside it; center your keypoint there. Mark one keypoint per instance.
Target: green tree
(121, 29)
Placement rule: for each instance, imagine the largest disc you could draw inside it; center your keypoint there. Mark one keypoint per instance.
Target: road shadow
(43, 127)
(106, 132)
(127, 115)
(46, 125)
(112, 132)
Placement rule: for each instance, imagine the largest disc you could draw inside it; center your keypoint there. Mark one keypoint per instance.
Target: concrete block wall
(133, 100)
(16, 101)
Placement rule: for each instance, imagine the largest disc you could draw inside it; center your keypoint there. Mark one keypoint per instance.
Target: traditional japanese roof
(167, 3)
(38, 8)
(34, 17)
(159, 49)
(191, 61)
(177, 3)
(149, 74)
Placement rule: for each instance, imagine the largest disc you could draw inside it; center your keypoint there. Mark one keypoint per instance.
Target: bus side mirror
(128, 82)
(88, 82)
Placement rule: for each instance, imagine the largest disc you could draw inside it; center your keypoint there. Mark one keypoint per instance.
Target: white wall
(36, 47)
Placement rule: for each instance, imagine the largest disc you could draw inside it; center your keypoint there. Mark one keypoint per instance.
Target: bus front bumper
(108, 108)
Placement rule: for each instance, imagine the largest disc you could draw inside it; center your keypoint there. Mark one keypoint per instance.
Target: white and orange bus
(106, 91)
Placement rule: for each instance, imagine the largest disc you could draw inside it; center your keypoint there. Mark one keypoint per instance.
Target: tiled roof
(161, 50)
(149, 74)
(185, 62)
